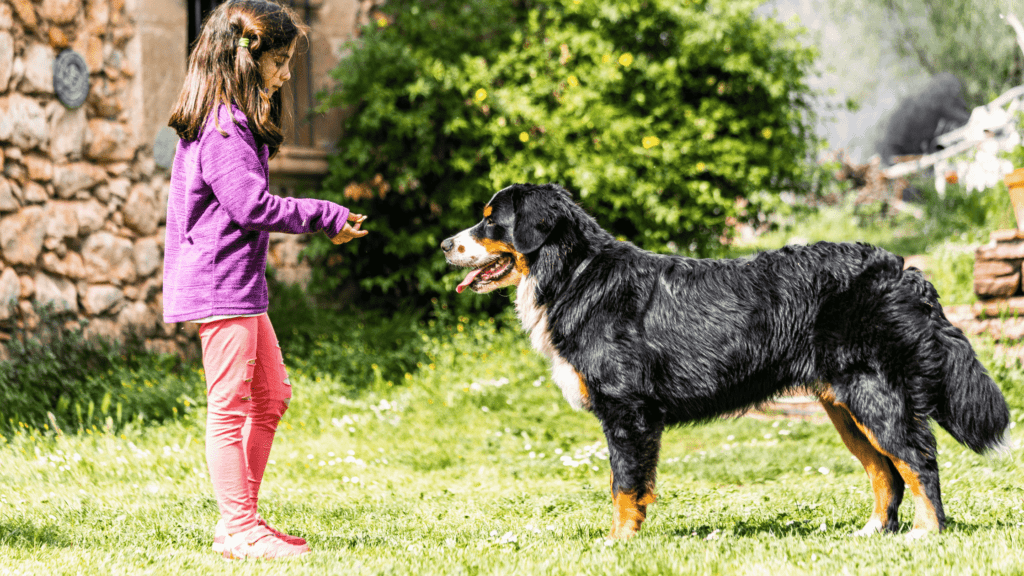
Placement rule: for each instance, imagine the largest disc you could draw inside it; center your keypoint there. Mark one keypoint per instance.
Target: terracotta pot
(1015, 182)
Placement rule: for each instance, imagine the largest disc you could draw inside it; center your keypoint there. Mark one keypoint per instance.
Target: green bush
(657, 114)
(54, 370)
(362, 348)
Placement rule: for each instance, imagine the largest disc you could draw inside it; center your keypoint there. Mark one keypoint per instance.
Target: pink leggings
(247, 391)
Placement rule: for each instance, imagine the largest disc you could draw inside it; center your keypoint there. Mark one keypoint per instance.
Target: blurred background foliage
(657, 114)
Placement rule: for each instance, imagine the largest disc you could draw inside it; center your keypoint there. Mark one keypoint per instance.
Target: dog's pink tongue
(468, 280)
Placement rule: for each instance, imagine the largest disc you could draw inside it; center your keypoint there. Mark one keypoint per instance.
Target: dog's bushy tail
(969, 404)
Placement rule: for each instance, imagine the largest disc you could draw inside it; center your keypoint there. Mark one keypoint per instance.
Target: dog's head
(516, 224)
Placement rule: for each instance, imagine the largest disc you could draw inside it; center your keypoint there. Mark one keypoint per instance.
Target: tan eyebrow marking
(487, 211)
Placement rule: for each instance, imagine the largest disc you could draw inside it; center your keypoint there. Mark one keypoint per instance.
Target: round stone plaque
(71, 78)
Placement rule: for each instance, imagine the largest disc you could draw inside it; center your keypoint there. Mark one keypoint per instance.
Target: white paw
(874, 526)
(916, 534)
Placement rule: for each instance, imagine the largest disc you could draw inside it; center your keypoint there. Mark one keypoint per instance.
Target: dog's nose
(447, 245)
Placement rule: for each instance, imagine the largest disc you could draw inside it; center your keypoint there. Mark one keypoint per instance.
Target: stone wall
(82, 200)
(81, 203)
(997, 265)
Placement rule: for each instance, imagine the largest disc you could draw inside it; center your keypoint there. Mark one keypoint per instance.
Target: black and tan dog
(645, 341)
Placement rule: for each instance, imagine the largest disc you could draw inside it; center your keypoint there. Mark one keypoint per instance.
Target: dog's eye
(489, 221)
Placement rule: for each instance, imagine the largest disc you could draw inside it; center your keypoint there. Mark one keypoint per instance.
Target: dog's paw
(918, 533)
(874, 526)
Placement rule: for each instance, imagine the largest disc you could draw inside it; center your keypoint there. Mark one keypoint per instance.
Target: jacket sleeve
(237, 173)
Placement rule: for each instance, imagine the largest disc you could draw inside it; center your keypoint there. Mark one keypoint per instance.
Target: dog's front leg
(633, 444)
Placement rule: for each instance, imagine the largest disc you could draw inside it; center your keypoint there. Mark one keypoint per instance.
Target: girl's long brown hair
(222, 71)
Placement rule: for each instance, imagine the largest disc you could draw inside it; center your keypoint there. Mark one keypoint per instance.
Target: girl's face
(275, 66)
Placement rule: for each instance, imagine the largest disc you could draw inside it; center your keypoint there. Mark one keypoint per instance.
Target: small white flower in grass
(551, 527)
(824, 470)
(355, 480)
(533, 455)
(271, 461)
(775, 424)
(608, 542)
(784, 432)
(807, 468)
(450, 542)
(309, 456)
(730, 437)
(768, 436)
(323, 463)
(823, 527)
(713, 535)
(948, 465)
(485, 409)
(507, 538)
(494, 533)
(558, 451)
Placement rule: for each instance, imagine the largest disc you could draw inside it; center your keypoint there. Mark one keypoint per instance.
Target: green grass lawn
(475, 465)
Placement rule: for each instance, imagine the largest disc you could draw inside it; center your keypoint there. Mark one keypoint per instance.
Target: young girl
(219, 216)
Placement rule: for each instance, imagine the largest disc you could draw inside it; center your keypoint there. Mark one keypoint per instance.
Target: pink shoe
(260, 543)
(220, 533)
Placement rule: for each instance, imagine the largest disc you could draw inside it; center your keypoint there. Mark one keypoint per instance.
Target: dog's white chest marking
(534, 319)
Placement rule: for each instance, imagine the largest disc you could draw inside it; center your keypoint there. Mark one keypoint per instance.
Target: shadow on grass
(26, 534)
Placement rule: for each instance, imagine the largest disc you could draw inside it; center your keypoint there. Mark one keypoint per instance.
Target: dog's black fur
(661, 340)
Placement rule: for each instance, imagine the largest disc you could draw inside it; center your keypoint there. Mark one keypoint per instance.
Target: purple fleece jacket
(220, 213)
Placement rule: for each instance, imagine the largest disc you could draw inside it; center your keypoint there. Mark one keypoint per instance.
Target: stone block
(8, 201)
(90, 216)
(26, 12)
(60, 11)
(34, 193)
(70, 178)
(108, 259)
(39, 60)
(989, 286)
(1003, 250)
(101, 298)
(71, 265)
(68, 129)
(142, 209)
(61, 219)
(6, 59)
(137, 317)
(23, 122)
(39, 167)
(148, 256)
(110, 141)
(57, 291)
(990, 268)
(22, 235)
(10, 292)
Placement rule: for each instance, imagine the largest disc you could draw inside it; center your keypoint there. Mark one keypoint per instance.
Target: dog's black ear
(537, 212)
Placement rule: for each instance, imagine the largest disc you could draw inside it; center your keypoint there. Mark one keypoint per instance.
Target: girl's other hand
(351, 231)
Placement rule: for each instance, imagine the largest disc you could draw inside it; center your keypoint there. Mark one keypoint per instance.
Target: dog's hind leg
(633, 446)
(881, 415)
(886, 482)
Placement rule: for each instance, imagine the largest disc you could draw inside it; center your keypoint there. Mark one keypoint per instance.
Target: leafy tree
(657, 114)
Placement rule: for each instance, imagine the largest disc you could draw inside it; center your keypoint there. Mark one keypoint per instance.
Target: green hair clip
(243, 42)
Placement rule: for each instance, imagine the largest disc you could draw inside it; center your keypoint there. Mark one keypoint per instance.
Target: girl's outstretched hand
(351, 230)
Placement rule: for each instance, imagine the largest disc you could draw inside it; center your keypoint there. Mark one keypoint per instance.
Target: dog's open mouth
(494, 270)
